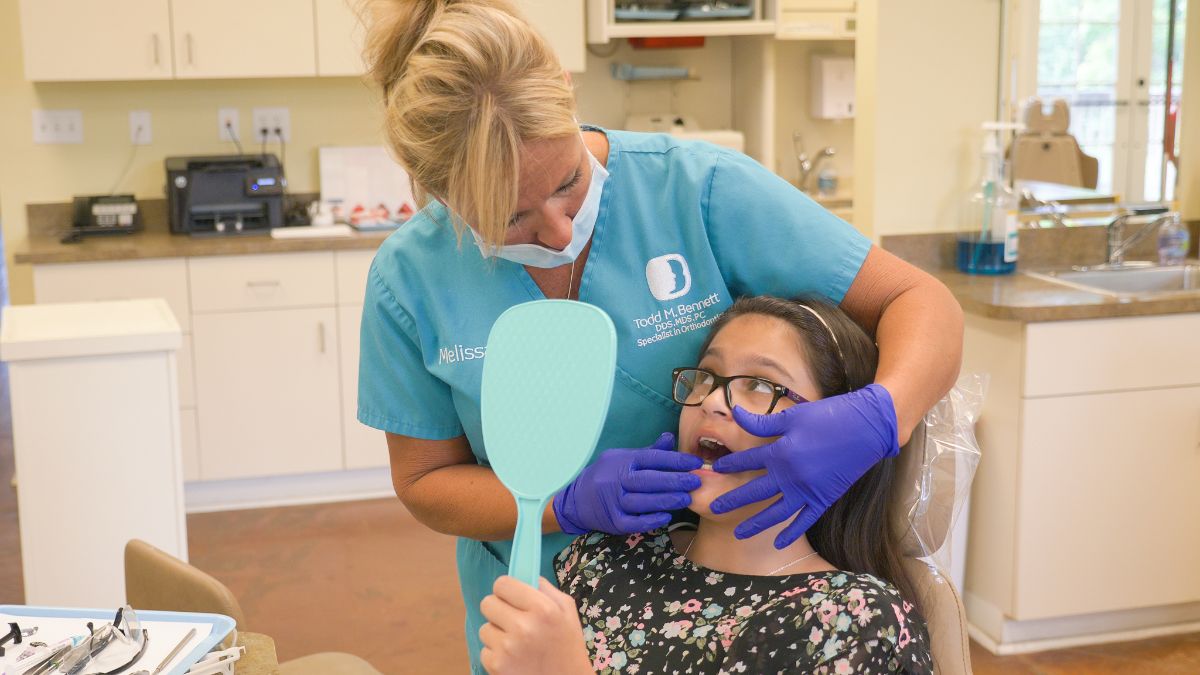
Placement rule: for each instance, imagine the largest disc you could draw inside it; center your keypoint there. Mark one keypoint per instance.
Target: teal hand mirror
(547, 381)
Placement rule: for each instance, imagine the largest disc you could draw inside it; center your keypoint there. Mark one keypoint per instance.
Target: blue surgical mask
(582, 226)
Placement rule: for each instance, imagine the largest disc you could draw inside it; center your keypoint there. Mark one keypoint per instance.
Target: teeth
(706, 465)
(711, 443)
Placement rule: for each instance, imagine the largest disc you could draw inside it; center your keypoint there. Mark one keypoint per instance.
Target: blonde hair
(466, 83)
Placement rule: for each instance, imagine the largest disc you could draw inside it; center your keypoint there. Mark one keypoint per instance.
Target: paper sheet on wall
(164, 635)
(366, 184)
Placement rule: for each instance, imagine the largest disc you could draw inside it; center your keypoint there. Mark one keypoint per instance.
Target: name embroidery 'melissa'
(458, 353)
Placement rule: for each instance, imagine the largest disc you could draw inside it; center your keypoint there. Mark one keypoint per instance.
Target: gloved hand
(628, 490)
(824, 446)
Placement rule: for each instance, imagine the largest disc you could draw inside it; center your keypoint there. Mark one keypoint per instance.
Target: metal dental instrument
(186, 639)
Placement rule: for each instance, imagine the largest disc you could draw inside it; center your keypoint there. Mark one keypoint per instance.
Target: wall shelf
(602, 25)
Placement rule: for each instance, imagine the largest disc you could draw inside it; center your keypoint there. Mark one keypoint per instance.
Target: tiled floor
(364, 577)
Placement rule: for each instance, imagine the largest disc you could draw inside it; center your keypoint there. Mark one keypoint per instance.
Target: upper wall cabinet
(339, 38)
(73, 40)
(243, 38)
(113, 40)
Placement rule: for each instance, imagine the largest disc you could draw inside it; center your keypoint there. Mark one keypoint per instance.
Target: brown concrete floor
(366, 578)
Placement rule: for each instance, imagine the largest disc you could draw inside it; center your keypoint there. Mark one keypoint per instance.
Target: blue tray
(222, 625)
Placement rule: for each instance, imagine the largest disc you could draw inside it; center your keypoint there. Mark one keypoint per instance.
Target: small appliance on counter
(104, 214)
(225, 194)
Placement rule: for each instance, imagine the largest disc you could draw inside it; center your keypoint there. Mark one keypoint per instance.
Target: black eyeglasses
(755, 394)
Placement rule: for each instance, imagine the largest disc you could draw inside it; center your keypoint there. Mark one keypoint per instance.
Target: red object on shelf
(666, 42)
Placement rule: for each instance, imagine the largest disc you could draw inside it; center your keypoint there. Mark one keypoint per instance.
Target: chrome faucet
(1118, 246)
(808, 164)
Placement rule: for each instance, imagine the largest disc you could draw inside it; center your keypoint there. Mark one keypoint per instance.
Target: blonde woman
(525, 203)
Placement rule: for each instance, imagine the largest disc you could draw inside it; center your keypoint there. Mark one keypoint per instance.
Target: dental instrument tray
(715, 10)
(634, 11)
(163, 631)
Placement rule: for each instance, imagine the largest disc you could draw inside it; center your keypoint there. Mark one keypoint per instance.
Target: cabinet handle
(156, 59)
(262, 284)
(321, 335)
(188, 40)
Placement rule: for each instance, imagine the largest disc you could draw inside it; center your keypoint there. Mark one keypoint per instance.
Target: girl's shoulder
(596, 552)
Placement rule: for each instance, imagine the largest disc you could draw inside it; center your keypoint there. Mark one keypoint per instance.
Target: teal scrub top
(684, 229)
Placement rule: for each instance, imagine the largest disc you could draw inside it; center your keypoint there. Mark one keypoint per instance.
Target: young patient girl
(684, 600)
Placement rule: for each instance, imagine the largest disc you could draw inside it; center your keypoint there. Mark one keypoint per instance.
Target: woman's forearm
(920, 351)
(919, 328)
(466, 500)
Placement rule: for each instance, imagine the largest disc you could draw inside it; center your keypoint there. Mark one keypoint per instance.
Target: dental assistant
(662, 234)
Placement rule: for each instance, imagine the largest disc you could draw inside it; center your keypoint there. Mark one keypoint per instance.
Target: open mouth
(710, 450)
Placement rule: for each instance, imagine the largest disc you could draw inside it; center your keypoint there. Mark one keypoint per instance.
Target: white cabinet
(1091, 456)
(123, 280)
(111, 40)
(243, 38)
(339, 38)
(364, 447)
(1108, 491)
(560, 22)
(267, 383)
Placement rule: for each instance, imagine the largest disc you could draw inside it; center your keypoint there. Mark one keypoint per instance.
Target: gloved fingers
(666, 460)
(763, 487)
(805, 519)
(643, 523)
(660, 481)
(765, 426)
(665, 442)
(767, 518)
(653, 502)
(746, 460)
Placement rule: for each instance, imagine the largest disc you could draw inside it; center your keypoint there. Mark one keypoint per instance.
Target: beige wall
(926, 80)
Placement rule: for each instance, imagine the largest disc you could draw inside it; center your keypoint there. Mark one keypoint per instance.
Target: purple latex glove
(824, 447)
(628, 490)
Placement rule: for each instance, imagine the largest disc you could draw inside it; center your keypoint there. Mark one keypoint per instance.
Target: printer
(225, 194)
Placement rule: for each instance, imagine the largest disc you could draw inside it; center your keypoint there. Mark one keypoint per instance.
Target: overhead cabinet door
(231, 38)
(111, 40)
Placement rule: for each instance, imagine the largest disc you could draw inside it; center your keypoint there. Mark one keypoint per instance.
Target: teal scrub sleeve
(770, 238)
(396, 393)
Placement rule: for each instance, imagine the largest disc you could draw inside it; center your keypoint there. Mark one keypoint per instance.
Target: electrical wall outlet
(267, 120)
(227, 118)
(57, 126)
(139, 127)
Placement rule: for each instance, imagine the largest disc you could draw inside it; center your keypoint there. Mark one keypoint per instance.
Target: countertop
(49, 222)
(1020, 297)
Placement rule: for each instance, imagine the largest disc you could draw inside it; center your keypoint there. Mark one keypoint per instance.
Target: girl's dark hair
(855, 533)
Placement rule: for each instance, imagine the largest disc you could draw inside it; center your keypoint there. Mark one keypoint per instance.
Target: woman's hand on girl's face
(531, 630)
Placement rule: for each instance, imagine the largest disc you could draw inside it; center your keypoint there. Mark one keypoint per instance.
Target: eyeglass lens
(751, 393)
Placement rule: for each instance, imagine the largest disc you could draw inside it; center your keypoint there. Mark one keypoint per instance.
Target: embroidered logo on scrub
(668, 277)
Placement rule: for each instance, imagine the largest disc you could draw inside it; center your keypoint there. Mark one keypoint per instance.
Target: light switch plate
(57, 126)
(139, 127)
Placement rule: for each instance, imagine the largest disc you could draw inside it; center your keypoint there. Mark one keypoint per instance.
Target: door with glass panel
(1108, 60)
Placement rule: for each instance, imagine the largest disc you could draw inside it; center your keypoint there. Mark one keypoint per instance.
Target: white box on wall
(832, 85)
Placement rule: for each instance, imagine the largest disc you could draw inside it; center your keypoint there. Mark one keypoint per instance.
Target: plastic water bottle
(1173, 240)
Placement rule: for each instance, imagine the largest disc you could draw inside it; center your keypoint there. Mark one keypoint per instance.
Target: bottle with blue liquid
(989, 246)
(1173, 241)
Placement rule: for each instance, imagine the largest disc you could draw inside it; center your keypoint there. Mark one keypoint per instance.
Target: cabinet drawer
(352, 268)
(232, 283)
(125, 280)
(1077, 357)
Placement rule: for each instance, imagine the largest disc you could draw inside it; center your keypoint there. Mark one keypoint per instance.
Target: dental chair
(1046, 151)
(934, 494)
(157, 580)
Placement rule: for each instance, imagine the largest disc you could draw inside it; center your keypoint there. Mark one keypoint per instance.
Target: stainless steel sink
(1130, 281)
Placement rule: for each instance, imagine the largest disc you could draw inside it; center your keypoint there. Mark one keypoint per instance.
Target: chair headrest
(1038, 121)
(924, 495)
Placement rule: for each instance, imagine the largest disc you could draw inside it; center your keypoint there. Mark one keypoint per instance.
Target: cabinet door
(561, 23)
(112, 40)
(365, 447)
(267, 393)
(1108, 514)
(339, 38)
(232, 38)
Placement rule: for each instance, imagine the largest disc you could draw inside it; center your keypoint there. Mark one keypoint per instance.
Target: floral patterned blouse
(647, 609)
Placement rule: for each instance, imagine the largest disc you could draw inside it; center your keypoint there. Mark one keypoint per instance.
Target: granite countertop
(48, 223)
(1020, 297)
